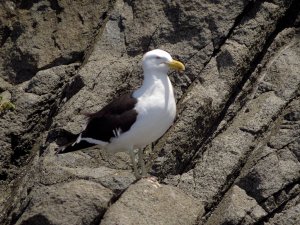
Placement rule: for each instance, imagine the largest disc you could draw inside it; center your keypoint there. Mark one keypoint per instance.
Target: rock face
(232, 155)
(148, 202)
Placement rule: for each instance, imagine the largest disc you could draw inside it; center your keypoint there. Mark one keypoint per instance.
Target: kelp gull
(134, 120)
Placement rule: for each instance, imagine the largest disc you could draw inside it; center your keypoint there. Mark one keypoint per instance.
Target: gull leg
(142, 163)
(132, 156)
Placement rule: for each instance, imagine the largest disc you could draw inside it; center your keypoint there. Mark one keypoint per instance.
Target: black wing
(119, 115)
(115, 118)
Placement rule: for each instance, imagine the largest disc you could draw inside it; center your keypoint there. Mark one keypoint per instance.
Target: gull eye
(158, 57)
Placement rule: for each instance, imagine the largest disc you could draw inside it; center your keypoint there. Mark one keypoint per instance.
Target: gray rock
(233, 149)
(219, 80)
(236, 208)
(80, 165)
(273, 172)
(225, 154)
(44, 82)
(67, 203)
(289, 215)
(35, 35)
(148, 202)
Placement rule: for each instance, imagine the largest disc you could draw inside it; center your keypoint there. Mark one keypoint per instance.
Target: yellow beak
(174, 64)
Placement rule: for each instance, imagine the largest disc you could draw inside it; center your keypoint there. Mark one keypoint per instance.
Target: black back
(118, 114)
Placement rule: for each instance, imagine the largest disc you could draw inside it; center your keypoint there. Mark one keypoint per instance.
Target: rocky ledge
(232, 155)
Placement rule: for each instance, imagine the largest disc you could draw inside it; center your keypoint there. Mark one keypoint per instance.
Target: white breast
(156, 115)
(156, 109)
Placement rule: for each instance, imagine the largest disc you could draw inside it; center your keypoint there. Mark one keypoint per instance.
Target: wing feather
(119, 115)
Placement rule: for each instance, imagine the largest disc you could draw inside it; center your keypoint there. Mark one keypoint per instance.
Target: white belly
(156, 114)
(152, 123)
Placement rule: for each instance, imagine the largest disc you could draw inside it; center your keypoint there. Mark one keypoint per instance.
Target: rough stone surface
(289, 215)
(148, 202)
(238, 208)
(66, 203)
(232, 155)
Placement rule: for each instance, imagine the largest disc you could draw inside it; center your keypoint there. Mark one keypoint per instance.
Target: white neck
(155, 82)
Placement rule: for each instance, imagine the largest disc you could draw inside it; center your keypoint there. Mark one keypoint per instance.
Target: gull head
(160, 61)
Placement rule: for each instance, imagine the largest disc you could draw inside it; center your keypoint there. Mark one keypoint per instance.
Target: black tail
(73, 146)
